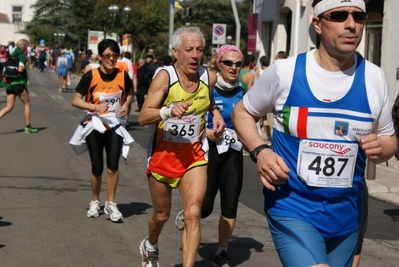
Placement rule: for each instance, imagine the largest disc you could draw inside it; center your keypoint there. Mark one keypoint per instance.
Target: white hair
(183, 31)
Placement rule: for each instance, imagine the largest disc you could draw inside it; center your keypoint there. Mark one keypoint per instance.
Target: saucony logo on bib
(333, 147)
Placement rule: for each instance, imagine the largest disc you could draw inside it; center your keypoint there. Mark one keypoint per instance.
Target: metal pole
(371, 170)
(171, 24)
(238, 24)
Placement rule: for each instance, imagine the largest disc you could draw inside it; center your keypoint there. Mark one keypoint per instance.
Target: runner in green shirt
(19, 87)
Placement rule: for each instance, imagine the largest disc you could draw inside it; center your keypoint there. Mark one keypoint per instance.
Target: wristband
(215, 107)
(165, 113)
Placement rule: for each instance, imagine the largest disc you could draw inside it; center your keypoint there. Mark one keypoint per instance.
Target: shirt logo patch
(341, 128)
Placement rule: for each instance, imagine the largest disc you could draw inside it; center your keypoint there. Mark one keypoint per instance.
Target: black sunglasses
(341, 16)
(230, 63)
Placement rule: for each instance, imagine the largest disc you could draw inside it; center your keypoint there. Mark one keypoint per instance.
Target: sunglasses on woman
(341, 16)
(108, 56)
(230, 63)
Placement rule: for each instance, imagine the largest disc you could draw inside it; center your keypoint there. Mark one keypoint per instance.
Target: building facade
(13, 16)
(286, 25)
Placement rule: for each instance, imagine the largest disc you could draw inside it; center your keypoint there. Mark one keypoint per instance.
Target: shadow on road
(133, 208)
(23, 130)
(4, 223)
(393, 213)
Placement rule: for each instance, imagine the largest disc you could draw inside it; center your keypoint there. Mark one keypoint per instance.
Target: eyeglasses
(230, 63)
(341, 16)
(108, 56)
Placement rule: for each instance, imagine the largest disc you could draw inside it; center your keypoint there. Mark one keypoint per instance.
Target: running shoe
(94, 209)
(149, 258)
(179, 221)
(112, 211)
(29, 130)
(222, 260)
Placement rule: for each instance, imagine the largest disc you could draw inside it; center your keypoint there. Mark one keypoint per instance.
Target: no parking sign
(219, 34)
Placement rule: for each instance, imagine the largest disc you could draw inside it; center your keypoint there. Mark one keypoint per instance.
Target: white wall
(9, 32)
(6, 8)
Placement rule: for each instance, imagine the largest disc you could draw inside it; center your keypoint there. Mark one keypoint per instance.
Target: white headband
(326, 5)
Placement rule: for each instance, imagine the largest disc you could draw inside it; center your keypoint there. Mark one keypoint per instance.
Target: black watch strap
(254, 153)
(215, 107)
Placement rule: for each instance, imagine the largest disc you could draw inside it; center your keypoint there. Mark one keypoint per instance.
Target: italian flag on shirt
(305, 122)
(295, 121)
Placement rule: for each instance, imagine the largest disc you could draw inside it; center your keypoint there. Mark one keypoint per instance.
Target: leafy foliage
(49, 17)
(148, 21)
(206, 12)
(82, 13)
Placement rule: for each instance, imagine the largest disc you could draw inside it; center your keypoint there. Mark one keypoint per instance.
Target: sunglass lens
(339, 15)
(238, 64)
(343, 15)
(359, 16)
(228, 63)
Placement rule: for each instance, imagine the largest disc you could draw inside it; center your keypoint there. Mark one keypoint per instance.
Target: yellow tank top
(178, 143)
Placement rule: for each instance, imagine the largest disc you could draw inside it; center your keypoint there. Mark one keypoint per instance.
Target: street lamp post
(185, 5)
(229, 38)
(119, 21)
(186, 10)
(59, 36)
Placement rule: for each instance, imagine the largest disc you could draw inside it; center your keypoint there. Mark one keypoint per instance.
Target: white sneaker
(179, 221)
(112, 211)
(148, 258)
(94, 209)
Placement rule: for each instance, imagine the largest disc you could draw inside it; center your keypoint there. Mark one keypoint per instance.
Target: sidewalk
(386, 184)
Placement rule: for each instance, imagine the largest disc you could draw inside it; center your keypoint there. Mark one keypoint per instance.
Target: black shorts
(16, 89)
(225, 174)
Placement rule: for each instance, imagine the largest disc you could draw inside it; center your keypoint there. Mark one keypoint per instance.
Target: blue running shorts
(299, 244)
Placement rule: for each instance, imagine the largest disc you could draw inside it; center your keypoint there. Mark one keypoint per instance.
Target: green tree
(206, 12)
(148, 21)
(49, 17)
(82, 12)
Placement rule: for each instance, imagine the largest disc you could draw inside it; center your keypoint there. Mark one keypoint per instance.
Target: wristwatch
(216, 107)
(254, 153)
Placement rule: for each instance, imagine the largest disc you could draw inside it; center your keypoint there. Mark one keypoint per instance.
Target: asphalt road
(45, 192)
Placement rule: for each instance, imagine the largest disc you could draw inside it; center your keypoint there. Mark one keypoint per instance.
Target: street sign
(94, 37)
(219, 34)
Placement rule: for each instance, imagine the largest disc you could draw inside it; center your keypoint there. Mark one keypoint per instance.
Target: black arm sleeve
(128, 84)
(84, 83)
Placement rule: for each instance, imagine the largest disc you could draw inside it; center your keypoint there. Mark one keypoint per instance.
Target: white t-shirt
(129, 66)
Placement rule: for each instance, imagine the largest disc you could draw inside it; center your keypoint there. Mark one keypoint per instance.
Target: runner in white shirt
(331, 113)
